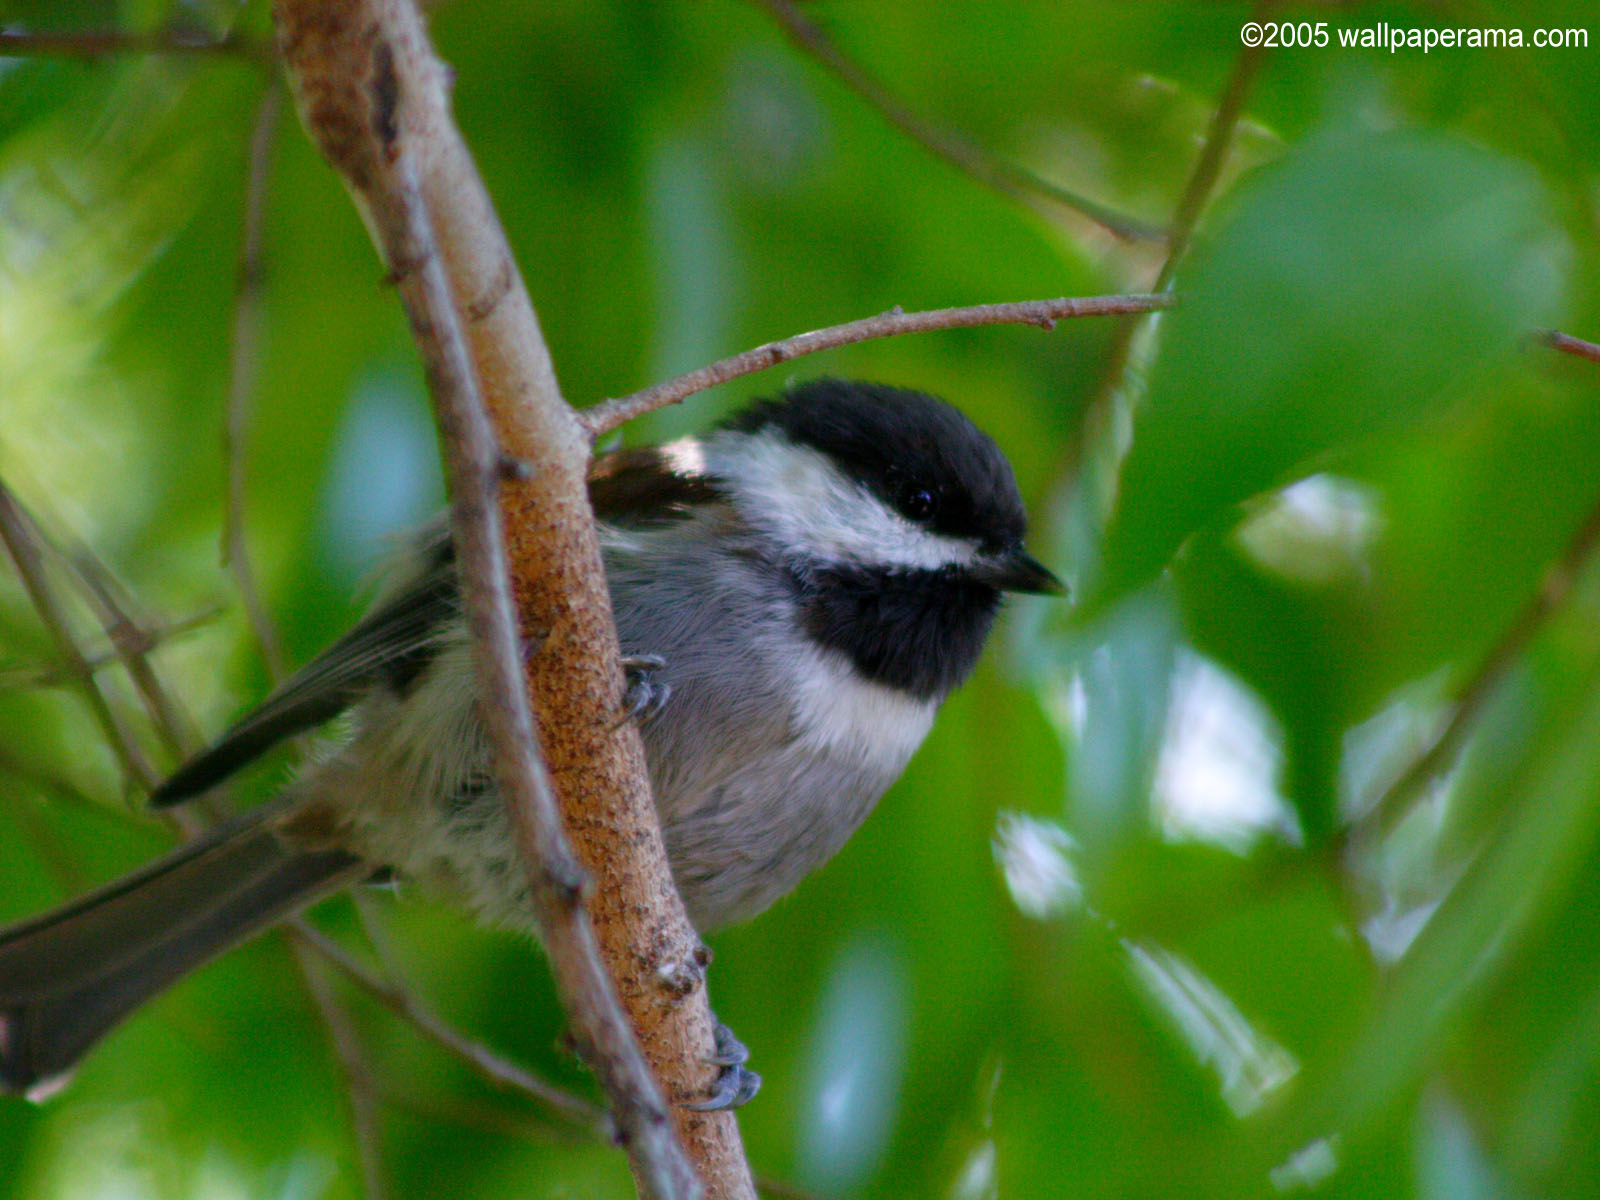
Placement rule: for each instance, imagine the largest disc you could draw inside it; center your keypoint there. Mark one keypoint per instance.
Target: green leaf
(1357, 281)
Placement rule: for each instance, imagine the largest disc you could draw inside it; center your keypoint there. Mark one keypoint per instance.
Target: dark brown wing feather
(642, 485)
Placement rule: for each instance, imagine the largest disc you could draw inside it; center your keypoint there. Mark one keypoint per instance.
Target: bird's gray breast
(771, 750)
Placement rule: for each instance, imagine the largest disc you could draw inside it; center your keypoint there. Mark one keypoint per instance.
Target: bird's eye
(918, 504)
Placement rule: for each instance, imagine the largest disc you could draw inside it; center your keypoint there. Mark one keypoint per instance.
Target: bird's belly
(754, 797)
(765, 758)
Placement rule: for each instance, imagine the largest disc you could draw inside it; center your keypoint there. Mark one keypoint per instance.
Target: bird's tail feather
(70, 976)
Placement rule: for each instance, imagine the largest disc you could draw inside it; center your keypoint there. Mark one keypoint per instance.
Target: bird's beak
(1017, 571)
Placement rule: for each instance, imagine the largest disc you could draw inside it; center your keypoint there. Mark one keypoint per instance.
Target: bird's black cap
(919, 453)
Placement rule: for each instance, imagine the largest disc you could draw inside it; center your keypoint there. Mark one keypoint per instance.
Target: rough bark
(374, 98)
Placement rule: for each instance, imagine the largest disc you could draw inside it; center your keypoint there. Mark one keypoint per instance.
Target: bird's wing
(391, 644)
(395, 642)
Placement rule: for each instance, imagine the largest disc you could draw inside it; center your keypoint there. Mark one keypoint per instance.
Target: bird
(796, 592)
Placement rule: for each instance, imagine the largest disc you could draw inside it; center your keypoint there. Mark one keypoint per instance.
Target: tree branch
(1568, 344)
(607, 415)
(372, 95)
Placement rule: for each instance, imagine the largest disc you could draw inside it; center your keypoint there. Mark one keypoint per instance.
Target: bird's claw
(645, 696)
(736, 1085)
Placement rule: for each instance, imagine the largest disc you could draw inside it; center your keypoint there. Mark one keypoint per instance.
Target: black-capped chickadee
(814, 577)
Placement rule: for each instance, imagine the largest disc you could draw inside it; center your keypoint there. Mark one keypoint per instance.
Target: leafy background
(1180, 898)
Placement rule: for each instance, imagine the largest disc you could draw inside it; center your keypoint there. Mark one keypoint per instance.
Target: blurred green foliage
(1148, 915)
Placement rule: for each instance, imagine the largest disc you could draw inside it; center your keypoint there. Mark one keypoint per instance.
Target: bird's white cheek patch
(806, 502)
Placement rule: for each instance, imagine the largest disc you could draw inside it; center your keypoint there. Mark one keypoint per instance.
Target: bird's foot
(646, 695)
(736, 1084)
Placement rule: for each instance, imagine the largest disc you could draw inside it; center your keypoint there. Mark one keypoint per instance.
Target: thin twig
(1557, 584)
(106, 595)
(1568, 344)
(360, 1085)
(141, 639)
(607, 415)
(132, 643)
(517, 1125)
(130, 640)
(109, 43)
(1476, 689)
(102, 591)
(484, 1117)
(244, 361)
(1197, 190)
(581, 1116)
(488, 1065)
(1214, 151)
(25, 541)
(18, 534)
(1004, 177)
(520, 1126)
